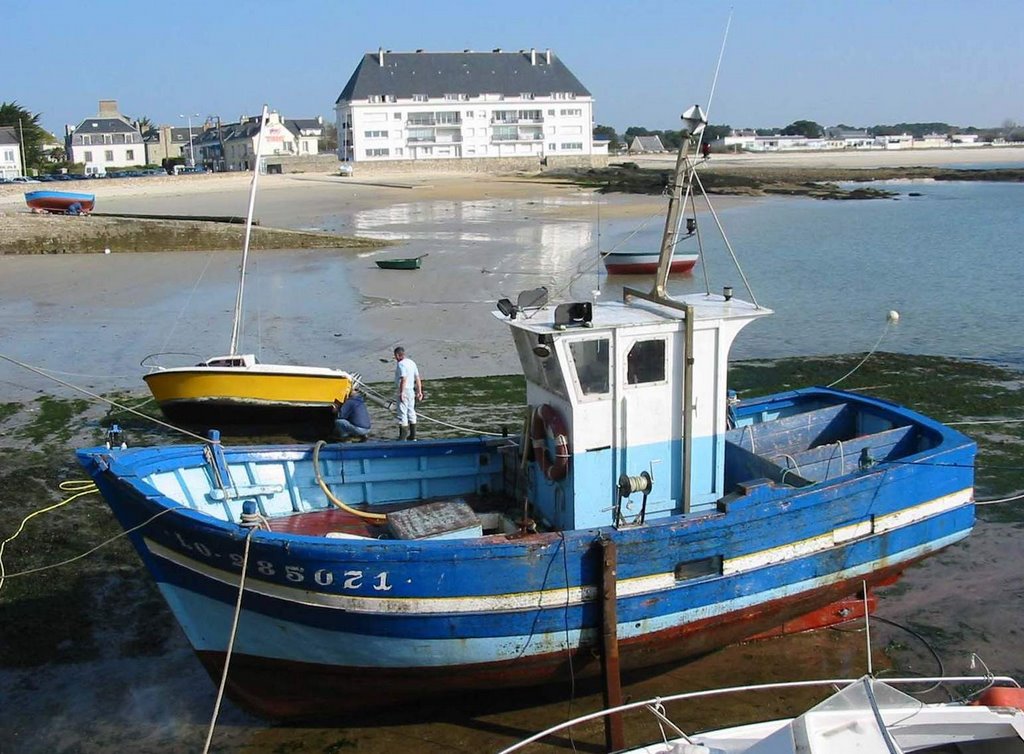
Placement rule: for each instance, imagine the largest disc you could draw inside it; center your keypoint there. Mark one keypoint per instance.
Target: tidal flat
(92, 660)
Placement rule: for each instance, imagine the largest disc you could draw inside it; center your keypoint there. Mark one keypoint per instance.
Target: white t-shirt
(406, 368)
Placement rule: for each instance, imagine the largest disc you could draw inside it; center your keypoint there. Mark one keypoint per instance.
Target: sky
(832, 61)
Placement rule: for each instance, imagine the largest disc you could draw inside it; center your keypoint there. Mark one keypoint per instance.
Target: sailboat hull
(205, 395)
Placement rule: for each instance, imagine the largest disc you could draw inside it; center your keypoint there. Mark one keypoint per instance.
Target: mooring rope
(108, 401)
(231, 641)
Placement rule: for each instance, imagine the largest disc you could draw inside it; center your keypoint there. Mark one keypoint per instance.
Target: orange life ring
(547, 420)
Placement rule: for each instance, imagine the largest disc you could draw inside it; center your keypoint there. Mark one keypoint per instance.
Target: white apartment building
(457, 105)
(107, 140)
(10, 153)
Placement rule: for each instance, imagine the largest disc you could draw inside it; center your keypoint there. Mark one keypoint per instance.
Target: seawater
(948, 260)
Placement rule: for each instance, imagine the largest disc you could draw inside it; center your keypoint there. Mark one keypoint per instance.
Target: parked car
(23, 179)
(345, 169)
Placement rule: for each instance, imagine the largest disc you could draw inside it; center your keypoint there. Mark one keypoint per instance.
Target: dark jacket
(354, 410)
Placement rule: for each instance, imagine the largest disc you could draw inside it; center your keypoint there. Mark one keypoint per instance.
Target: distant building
(107, 140)
(932, 141)
(499, 109)
(895, 141)
(965, 139)
(646, 145)
(167, 143)
(10, 153)
(849, 138)
(307, 133)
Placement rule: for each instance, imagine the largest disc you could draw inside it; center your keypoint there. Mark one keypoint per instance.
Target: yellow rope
(379, 517)
(79, 487)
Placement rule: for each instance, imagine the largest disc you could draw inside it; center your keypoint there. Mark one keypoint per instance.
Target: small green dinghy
(406, 263)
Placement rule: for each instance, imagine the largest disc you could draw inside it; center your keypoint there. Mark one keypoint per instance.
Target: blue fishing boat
(60, 202)
(643, 516)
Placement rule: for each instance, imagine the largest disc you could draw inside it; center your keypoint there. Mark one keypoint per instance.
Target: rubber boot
(403, 432)
(412, 431)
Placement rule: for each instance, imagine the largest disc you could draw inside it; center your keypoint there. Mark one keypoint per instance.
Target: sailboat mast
(248, 234)
(674, 215)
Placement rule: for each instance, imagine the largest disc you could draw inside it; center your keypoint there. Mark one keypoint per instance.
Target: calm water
(948, 261)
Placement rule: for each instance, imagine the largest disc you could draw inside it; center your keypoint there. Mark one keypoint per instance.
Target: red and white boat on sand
(645, 262)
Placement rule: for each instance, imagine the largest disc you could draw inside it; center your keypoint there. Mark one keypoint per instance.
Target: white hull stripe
(550, 598)
(876, 525)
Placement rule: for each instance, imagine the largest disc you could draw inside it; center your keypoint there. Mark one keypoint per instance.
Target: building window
(9, 155)
(551, 147)
(526, 95)
(398, 116)
(572, 112)
(377, 152)
(449, 117)
(129, 154)
(108, 155)
(572, 145)
(398, 152)
(88, 156)
(375, 134)
(506, 133)
(551, 112)
(419, 98)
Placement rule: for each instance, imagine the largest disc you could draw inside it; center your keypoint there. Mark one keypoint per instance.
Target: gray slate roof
(438, 73)
(105, 126)
(647, 144)
(8, 135)
(179, 135)
(298, 124)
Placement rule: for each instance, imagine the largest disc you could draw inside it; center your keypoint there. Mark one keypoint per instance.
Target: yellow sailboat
(237, 388)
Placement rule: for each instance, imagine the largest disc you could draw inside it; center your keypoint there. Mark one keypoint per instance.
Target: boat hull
(633, 263)
(60, 202)
(412, 263)
(241, 396)
(331, 626)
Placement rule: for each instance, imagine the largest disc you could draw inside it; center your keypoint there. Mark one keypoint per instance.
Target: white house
(306, 133)
(10, 153)
(239, 140)
(457, 105)
(107, 140)
(895, 141)
(932, 141)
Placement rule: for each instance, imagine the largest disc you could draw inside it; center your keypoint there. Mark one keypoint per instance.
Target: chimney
(108, 109)
(533, 56)
(380, 56)
(549, 56)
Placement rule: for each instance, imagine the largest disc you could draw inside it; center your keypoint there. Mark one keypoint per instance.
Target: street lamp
(191, 154)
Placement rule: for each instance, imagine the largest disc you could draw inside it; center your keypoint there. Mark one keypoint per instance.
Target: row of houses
(396, 107)
(838, 139)
(109, 140)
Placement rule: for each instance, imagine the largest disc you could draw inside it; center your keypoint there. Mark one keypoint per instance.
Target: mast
(695, 120)
(248, 234)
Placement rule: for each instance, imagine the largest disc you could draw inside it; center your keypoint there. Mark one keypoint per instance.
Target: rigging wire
(188, 301)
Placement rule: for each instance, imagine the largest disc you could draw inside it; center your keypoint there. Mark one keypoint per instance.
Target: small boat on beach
(406, 263)
(643, 516)
(60, 202)
(237, 389)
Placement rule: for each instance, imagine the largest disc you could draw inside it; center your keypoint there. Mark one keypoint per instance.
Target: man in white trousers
(410, 389)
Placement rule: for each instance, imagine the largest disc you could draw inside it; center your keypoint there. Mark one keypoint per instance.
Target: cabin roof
(640, 313)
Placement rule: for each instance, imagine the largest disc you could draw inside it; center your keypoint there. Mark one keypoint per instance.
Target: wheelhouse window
(540, 370)
(645, 362)
(591, 360)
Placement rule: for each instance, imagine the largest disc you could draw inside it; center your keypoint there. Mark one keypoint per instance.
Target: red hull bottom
(286, 690)
(641, 268)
